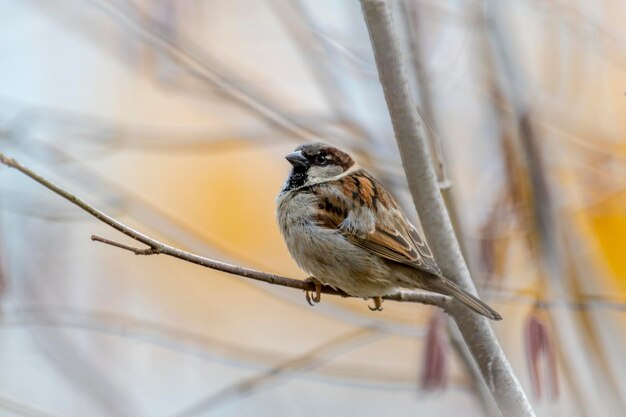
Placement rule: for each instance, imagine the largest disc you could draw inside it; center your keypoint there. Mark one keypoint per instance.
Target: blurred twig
(193, 63)
(547, 223)
(426, 109)
(156, 247)
(211, 72)
(105, 136)
(411, 13)
(308, 361)
(23, 409)
(202, 346)
(294, 16)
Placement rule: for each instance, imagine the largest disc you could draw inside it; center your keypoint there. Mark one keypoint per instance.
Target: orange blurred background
(174, 117)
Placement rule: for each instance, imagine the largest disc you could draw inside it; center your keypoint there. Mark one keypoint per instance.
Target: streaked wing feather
(395, 247)
(391, 236)
(387, 245)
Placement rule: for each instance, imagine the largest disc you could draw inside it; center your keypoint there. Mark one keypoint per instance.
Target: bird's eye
(321, 160)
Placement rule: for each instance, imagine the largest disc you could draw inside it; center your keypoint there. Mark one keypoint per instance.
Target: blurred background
(174, 117)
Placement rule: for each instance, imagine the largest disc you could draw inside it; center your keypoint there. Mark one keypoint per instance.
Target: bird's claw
(378, 304)
(307, 297)
(312, 300)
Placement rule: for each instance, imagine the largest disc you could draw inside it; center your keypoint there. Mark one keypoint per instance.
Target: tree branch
(155, 247)
(413, 145)
(136, 251)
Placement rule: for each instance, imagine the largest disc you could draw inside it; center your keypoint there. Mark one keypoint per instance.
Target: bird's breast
(324, 252)
(295, 210)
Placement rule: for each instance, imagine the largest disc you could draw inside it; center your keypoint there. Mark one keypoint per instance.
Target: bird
(348, 232)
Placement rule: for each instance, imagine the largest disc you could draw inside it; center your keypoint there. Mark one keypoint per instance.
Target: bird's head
(314, 163)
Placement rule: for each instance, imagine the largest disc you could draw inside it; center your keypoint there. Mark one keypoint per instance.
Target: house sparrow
(342, 227)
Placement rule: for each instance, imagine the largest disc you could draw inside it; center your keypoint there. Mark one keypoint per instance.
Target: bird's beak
(297, 159)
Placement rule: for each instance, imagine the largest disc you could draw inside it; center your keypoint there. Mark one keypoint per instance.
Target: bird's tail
(447, 287)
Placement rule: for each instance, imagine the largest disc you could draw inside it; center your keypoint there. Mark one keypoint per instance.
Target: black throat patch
(297, 178)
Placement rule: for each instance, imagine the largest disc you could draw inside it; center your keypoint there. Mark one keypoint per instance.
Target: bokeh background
(174, 116)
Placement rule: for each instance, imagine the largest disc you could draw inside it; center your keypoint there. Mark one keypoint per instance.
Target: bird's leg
(378, 304)
(318, 292)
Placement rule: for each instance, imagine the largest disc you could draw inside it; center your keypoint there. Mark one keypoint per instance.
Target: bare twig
(427, 112)
(136, 251)
(298, 22)
(413, 146)
(201, 346)
(156, 247)
(193, 63)
(301, 364)
(23, 409)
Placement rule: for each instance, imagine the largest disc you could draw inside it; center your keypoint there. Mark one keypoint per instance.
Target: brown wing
(374, 222)
(399, 245)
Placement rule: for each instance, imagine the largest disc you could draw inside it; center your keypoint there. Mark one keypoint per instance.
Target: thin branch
(25, 409)
(290, 368)
(108, 135)
(414, 149)
(136, 251)
(195, 64)
(298, 22)
(201, 346)
(411, 19)
(156, 247)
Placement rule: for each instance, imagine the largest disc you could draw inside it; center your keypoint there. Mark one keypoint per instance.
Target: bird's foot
(378, 304)
(312, 300)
